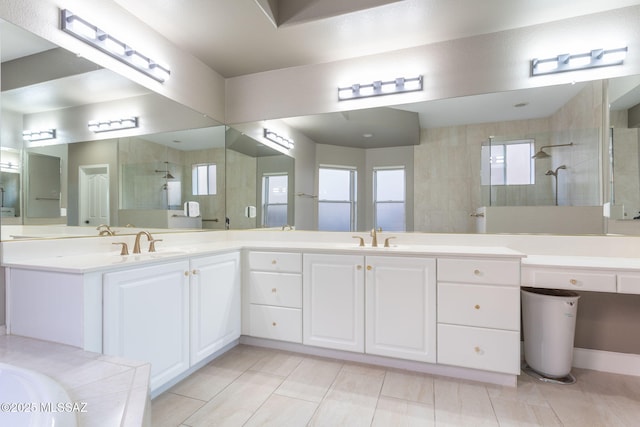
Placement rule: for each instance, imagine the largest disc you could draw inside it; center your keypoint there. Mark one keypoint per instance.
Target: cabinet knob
(369, 268)
(274, 290)
(573, 281)
(274, 262)
(274, 324)
(186, 274)
(359, 267)
(477, 272)
(478, 350)
(194, 272)
(477, 306)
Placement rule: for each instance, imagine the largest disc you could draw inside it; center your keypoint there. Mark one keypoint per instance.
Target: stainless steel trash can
(549, 323)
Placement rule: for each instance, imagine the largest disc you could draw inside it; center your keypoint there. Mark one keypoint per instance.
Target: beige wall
(447, 165)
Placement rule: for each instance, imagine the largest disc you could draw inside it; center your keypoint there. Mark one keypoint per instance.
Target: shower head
(540, 155)
(555, 173)
(167, 174)
(544, 155)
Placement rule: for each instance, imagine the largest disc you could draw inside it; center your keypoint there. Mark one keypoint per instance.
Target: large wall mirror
(140, 177)
(461, 165)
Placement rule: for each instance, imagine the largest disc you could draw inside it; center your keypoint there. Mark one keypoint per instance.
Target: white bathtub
(31, 399)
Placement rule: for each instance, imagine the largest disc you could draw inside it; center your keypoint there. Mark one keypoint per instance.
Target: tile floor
(252, 386)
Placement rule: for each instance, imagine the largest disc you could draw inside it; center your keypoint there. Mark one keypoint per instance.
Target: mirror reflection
(77, 180)
(457, 165)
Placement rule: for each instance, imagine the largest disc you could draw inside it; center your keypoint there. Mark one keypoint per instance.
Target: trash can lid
(552, 292)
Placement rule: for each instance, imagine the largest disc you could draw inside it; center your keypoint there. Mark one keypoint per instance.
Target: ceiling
(238, 37)
(241, 37)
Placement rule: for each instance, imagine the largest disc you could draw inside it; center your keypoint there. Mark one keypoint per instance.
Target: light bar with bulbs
(379, 87)
(94, 36)
(39, 135)
(282, 141)
(581, 61)
(115, 124)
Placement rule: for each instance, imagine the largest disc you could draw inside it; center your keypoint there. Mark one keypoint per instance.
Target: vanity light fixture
(379, 87)
(581, 61)
(94, 36)
(116, 124)
(282, 141)
(38, 135)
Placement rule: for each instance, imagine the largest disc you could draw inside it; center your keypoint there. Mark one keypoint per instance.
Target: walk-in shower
(554, 173)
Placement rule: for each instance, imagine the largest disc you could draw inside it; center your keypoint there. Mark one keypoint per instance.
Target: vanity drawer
(479, 305)
(574, 279)
(479, 348)
(275, 261)
(629, 283)
(479, 270)
(278, 323)
(280, 289)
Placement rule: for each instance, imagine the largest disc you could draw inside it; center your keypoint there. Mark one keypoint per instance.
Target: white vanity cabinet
(333, 301)
(174, 314)
(146, 317)
(379, 305)
(400, 309)
(214, 303)
(275, 295)
(479, 313)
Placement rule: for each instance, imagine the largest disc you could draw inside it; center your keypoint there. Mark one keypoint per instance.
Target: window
(508, 163)
(389, 196)
(275, 199)
(336, 199)
(203, 179)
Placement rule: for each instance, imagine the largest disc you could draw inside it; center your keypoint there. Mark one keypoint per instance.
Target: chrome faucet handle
(152, 244)
(361, 240)
(386, 241)
(124, 250)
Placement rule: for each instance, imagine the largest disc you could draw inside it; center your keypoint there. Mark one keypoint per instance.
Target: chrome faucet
(105, 230)
(136, 245)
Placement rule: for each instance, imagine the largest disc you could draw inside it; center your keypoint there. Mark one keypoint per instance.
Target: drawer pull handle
(573, 281)
(477, 272)
(274, 324)
(477, 306)
(274, 290)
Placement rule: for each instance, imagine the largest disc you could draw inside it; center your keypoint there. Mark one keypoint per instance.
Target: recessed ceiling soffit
(291, 12)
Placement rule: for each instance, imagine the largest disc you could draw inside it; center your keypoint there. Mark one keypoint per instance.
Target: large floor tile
(410, 386)
(282, 411)
(460, 403)
(170, 410)
(311, 379)
(402, 413)
(237, 403)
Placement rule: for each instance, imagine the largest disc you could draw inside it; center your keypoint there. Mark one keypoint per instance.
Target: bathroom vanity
(440, 304)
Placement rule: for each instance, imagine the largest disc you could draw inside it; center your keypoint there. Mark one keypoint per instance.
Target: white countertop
(94, 261)
(587, 262)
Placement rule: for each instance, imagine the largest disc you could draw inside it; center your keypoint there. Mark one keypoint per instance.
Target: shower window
(203, 179)
(336, 199)
(275, 196)
(389, 198)
(508, 163)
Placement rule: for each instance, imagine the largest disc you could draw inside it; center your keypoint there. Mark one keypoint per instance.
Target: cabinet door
(215, 303)
(146, 317)
(333, 301)
(401, 307)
